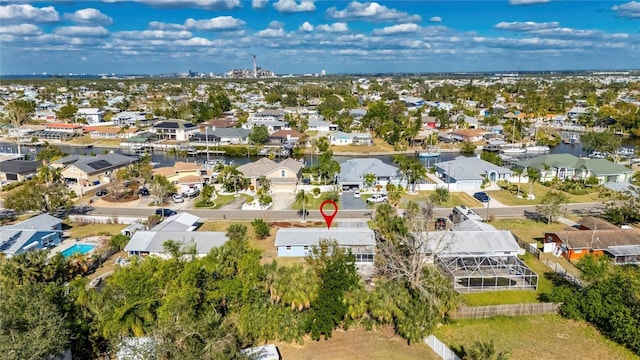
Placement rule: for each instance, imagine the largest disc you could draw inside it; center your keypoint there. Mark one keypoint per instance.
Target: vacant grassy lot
(357, 344)
(507, 198)
(527, 229)
(379, 146)
(534, 337)
(313, 203)
(84, 230)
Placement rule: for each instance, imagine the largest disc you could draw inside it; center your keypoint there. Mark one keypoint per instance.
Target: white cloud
(334, 28)
(26, 12)
(290, 6)
(630, 9)
(89, 16)
(527, 2)
(526, 25)
(203, 4)
(153, 34)
(82, 31)
(158, 25)
(259, 4)
(275, 24)
(21, 30)
(435, 19)
(306, 27)
(371, 11)
(196, 41)
(397, 29)
(220, 23)
(271, 33)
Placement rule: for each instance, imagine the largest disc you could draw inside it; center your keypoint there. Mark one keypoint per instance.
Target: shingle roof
(265, 166)
(469, 168)
(96, 164)
(598, 239)
(21, 167)
(594, 223)
(353, 170)
(312, 236)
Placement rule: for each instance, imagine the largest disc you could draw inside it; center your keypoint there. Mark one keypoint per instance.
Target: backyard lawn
(78, 230)
(378, 146)
(539, 190)
(534, 337)
(356, 344)
(527, 229)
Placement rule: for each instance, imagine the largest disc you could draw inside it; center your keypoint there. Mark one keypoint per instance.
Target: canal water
(164, 159)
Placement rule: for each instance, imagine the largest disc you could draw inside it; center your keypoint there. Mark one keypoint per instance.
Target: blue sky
(306, 36)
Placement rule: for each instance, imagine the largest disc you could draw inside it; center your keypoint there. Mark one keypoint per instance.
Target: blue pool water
(78, 249)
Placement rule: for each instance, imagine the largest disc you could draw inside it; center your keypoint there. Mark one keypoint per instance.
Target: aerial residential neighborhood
(319, 180)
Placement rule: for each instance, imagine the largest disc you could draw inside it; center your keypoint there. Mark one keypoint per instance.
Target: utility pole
(488, 202)
(206, 137)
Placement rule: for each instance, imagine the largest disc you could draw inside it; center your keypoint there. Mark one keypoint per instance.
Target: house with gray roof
(18, 170)
(298, 242)
(39, 232)
(179, 222)
(87, 170)
(145, 243)
(321, 126)
(567, 166)
(352, 173)
(468, 173)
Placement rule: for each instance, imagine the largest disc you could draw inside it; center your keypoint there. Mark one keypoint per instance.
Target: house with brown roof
(471, 135)
(597, 237)
(285, 137)
(110, 132)
(185, 176)
(283, 175)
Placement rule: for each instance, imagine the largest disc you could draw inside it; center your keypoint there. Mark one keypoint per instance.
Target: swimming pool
(78, 249)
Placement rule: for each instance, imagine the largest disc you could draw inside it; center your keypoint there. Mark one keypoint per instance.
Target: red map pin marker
(328, 218)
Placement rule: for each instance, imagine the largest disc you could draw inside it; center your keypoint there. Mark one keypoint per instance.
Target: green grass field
(507, 198)
(455, 199)
(534, 337)
(313, 203)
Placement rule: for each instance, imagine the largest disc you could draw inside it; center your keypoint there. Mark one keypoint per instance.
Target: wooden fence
(531, 249)
(478, 312)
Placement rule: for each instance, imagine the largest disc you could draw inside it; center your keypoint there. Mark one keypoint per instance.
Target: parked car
(143, 191)
(377, 198)
(191, 193)
(165, 212)
(356, 194)
(441, 224)
(481, 196)
(177, 198)
(102, 192)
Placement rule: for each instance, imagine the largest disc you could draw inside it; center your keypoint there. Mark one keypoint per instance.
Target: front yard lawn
(222, 200)
(313, 203)
(508, 198)
(455, 199)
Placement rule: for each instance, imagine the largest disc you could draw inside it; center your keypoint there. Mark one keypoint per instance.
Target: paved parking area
(348, 202)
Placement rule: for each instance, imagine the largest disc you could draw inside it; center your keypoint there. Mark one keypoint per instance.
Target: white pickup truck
(377, 198)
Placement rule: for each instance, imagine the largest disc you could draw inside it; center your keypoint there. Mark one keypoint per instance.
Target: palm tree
(533, 175)
(518, 171)
(369, 179)
(440, 195)
(302, 197)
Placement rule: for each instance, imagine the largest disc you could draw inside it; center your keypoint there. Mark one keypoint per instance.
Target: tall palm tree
(302, 197)
(533, 175)
(440, 195)
(518, 171)
(369, 179)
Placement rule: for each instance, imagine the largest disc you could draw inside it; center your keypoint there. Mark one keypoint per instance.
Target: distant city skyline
(306, 36)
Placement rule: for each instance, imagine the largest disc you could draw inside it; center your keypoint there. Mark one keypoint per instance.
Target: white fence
(440, 348)
(114, 219)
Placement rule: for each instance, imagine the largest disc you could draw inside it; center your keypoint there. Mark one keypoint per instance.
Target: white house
(352, 173)
(179, 130)
(361, 241)
(321, 126)
(91, 115)
(340, 138)
(39, 232)
(151, 243)
(468, 173)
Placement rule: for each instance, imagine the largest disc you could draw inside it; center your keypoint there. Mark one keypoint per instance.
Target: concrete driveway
(348, 202)
(282, 201)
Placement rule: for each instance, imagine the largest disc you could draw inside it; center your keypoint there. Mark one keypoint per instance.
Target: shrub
(316, 191)
(265, 200)
(333, 196)
(261, 228)
(119, 241)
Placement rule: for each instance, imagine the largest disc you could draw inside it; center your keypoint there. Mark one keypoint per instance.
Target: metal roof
(469, 168)
(471, 243)
(38, 222)
(353, 170)
(179, 222)
(312, 236)
(153, 241)
(624, 250)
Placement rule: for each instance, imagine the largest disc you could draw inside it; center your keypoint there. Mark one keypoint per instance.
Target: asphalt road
(364, 214)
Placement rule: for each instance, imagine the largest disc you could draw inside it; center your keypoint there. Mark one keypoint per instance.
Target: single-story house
(271, 125)
(144, 243)
(623, 245)
(35, 233)
(472, 135)
(182, 222)
(72, 129)
(352, 173)
(179, 130)
(470, 172)
(18, 170)
(299, 241)
(285, 137)
(429, 122)
(479, 260)
(321, 126)
(87, 170)
(267, 115)
(222, 136)
(342, 138)
(567, 166)
(184, 175)
(284, 175)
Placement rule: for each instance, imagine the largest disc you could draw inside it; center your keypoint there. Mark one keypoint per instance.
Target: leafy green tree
(35, 195)
(259, 135)
(237, 232)
(605, 142)
(623, 208)
(261, 228)
(593, 267)
(330, 107)
(552, 206)
(50, 153)
(336, 270)
(119, 241)
(36, 331)
(67, 112)
(412, 169)
(162, 188)
(232, 179)
(467, 148)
